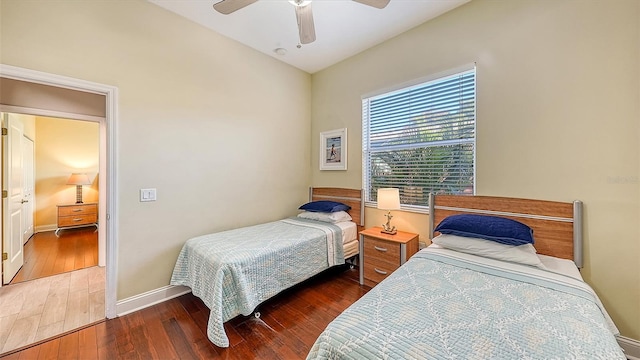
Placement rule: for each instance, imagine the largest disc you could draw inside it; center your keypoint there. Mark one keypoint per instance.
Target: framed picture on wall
(333, 150)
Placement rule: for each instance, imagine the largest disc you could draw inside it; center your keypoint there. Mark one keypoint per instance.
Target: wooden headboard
(557, 226)
(351, 197)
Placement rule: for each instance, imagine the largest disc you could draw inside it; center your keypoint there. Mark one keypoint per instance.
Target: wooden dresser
(381, 254)
(77, 215)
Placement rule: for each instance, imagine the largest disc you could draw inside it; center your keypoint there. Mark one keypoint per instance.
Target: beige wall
(63, 147)
(220, 130)
(557, 117)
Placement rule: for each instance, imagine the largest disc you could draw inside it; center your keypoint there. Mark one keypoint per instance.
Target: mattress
(349, 231)
(443, 304)
(560, 266)
(351, 248)
(553, 264)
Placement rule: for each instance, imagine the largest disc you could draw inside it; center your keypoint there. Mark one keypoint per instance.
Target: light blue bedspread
(439, 306)
(236, 270)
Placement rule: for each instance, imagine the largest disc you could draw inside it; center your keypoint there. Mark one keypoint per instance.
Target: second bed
(234, 271)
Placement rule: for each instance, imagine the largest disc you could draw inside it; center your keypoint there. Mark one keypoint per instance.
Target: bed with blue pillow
(234, 271)
(500, 281)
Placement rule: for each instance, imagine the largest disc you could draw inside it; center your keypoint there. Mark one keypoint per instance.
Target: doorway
(107, 218)
(63, 147)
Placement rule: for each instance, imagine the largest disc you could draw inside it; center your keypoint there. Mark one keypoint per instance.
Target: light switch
(147, 195)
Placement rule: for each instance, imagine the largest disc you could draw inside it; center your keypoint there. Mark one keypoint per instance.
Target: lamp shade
(78, 179)
(389, 199)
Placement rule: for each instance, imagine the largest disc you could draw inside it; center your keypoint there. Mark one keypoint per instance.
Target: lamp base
(79, 194)
(387, 228)
(393, 231)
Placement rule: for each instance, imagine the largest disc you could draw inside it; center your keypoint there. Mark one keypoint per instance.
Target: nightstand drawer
(77, 215)
(381, 254)
(376, 270)
(77, 220)
(382, 250)
(74, 210)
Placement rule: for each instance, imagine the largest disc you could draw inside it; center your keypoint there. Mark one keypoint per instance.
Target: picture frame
(333, 150)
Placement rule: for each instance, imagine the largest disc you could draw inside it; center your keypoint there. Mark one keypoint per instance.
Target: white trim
(107, 199)
(49, 113)
(150, 298)
(43, 228)
(630, 346)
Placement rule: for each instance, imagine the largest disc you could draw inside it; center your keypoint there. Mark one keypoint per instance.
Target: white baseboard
(149, 298)
(630, 346)
(43, 228)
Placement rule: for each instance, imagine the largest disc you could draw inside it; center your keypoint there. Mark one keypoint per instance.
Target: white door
(13, 179)
(29, 188)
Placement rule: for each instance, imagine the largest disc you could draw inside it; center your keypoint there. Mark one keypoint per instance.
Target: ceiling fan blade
(306, 29)
(380, 4)
(228, 6)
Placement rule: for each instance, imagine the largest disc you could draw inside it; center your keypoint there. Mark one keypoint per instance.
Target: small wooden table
(77, 215)
(381, 254)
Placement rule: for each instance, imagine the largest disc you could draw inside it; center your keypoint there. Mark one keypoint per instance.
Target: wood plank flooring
(46, 255)
(40, 309)
(177, 328)
(58, 289)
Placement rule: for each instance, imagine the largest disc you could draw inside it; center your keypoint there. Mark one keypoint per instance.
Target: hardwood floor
(177, 328)
(46, 255)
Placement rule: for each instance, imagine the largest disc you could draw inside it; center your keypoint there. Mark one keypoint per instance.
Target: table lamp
(388, 199)
(78, 179)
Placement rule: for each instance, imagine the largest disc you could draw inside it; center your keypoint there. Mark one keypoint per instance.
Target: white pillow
(334, 217)
(522, 254)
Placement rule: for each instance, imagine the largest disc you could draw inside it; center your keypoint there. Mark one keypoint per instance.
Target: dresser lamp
(388, 199)
(78, 180)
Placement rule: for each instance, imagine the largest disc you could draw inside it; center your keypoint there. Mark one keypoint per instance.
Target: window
(421, 139)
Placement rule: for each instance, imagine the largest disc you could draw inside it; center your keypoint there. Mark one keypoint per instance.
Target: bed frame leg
(352, 262)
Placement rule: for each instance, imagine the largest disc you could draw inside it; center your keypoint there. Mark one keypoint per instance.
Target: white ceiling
(343, 27)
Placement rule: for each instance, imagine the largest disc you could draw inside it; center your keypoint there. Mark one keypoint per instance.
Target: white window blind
(421, 139)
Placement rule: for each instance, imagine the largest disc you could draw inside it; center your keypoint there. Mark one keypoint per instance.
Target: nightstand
(381, 254)
(77, 215)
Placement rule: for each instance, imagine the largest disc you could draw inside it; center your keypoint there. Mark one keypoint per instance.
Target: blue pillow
(498, 229)
(324, 206)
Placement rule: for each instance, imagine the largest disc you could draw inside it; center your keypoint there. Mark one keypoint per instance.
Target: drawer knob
(77, 219)
(77, 210)
(379, 248)
(380, 271)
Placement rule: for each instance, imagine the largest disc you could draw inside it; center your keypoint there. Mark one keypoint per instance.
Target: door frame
(31, 183)
(107, 220)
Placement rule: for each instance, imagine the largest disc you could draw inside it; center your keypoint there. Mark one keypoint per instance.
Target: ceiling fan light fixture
(300, 3)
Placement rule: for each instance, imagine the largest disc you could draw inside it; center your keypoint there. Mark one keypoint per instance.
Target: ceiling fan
(304, 15)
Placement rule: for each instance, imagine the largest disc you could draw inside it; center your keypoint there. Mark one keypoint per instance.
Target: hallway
(39, 309)
(58, 289)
